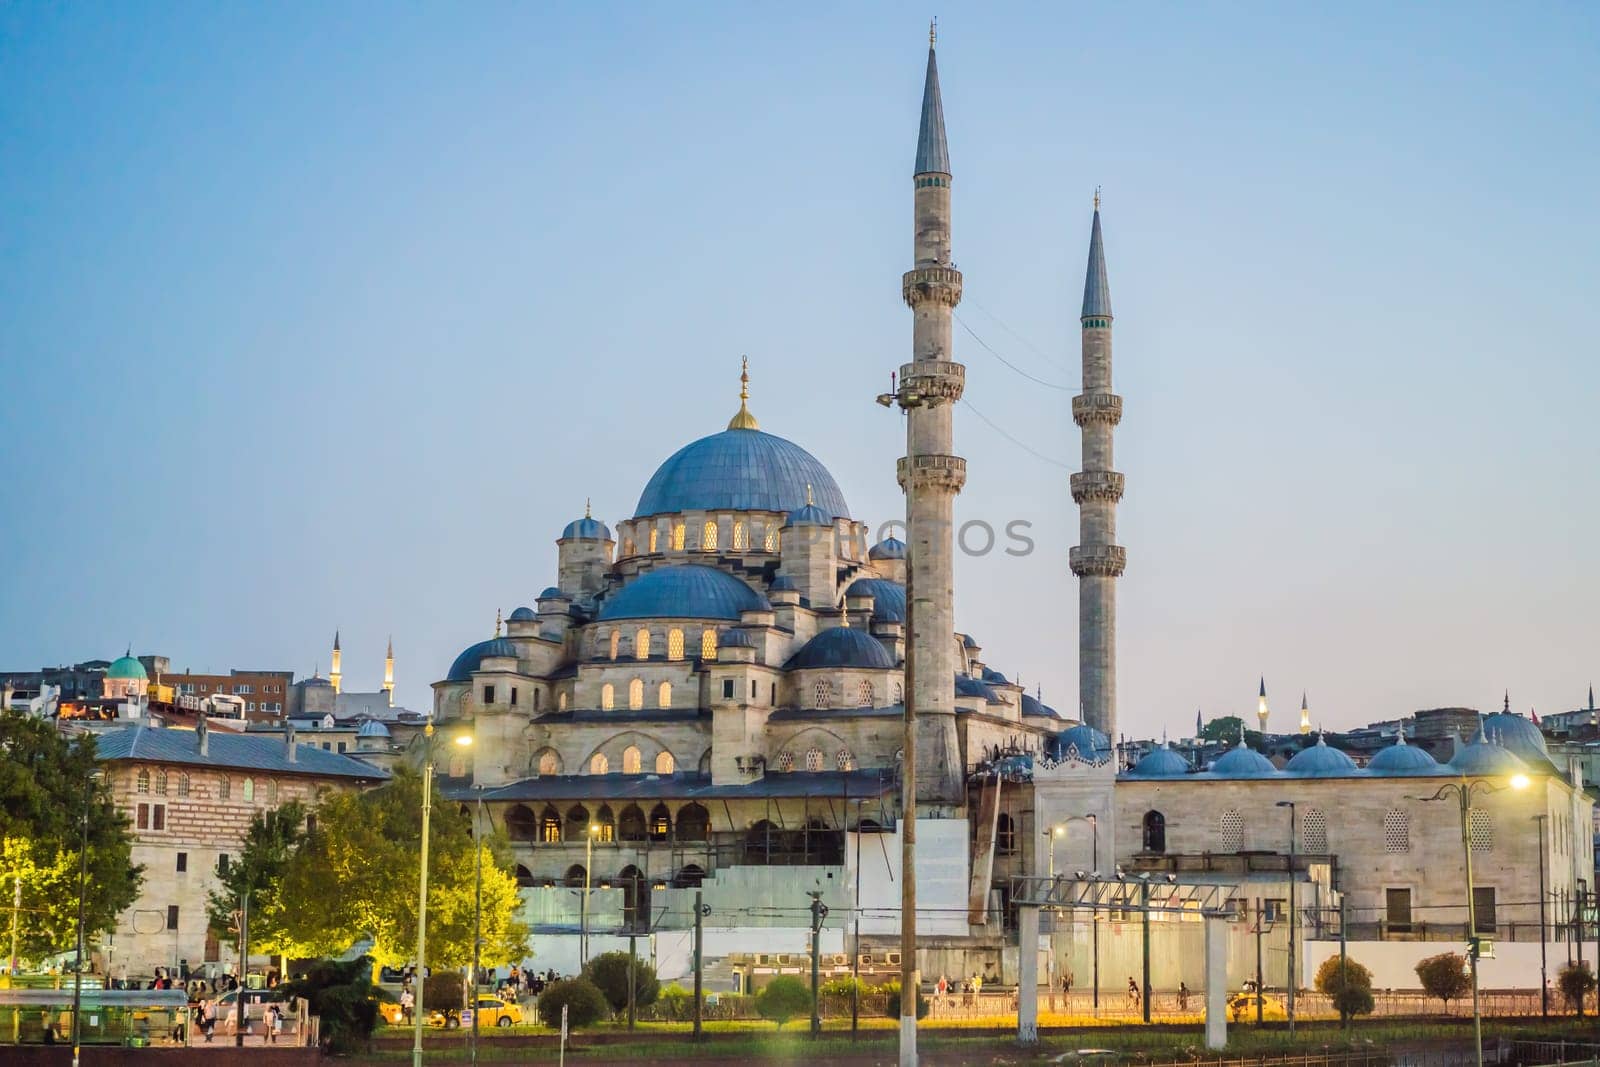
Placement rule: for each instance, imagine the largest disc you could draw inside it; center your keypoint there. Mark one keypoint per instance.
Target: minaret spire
(933, 154)
(335, 675)
(1305, 713)
(1261, 704)
(388, 670)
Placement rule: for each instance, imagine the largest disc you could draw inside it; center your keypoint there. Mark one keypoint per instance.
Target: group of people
(204, 1019)
(967, 987)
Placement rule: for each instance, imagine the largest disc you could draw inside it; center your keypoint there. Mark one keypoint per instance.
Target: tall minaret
(334, 674)
(1098, 560)
(388, 671)
(1261, 705)
(930, 473)
(1305, 714)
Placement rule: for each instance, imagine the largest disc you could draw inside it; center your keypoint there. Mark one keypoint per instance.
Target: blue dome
(318, 680)
(968, 642)
(810, 515)
(688, 591)
(994, 677)
(1033, 709)
(1243, 762)
(586, 529)
(461, 670)
(740, 470)
(551, 593)
(521, 615)
(372, 728)
(968, 686)
(840, 646)
(888, 598)
(1161, 763)
(888, 548)
(1401, 758)
(782, 584)
(1320, 761)
(1518, 734)
(1484, 757)
(1089, 743)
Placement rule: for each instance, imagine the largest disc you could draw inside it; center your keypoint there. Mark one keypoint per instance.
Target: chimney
(201, 732)
(288, 741)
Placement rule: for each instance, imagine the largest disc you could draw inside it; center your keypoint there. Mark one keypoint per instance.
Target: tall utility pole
(1144, 902)
(477, 902)
(244, 966)
(1544, 976)
(1293, 919)
(818, 911)
(855, 947)
(422, 892)
(77, 971)
(699, 913)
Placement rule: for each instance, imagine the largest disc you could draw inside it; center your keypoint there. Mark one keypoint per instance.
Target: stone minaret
(1305, 715)
(1261, 705)
(930, 473)
(1097, 560)
(335, 676)
(388, 672)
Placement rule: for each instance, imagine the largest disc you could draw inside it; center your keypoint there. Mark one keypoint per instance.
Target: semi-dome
(1090, 744)
(840, 646)
(372, 728)
(1401, 758)
(461, 670)
(687, 591)
(888, 548)
(1161, 762)
(736, 639)
(1033, 708)
(1243, 762)
(968, 686)
(810, 515)
(1320, 761)
(126, 668)
(888, 598)
(1484, 757)
(740, 470)
(586, 529)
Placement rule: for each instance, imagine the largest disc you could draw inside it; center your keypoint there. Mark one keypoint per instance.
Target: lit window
(786, 762)
(665, 763)
(561, 701)
(865, 694)
(627, 546)
(708, 536)
(664, 695)
(845, 760)
(161, 783)
(740, 542)
(674, 644)
(248, 793)
(708, 645)
(142, 783)
(822, 693)
(548, 764)
(772, 539)
(616, 640)
(608, 696)
(598, 764)
(678, 532)
(641, 644)
(654, 533)
(630, 760)
(636, 694)
(813, 759)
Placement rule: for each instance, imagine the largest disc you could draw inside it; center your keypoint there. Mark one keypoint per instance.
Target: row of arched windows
(866, 693)
(161, 783)
(693, 823)
(608, 695)
(675, 645)
(814, 760)
(632, 762)
(710, 537)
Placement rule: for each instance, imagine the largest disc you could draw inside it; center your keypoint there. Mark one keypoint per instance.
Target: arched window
(576, 876)
(641, 644)
(549, 826)
(605, 826)
(689, 877)
(561, 701)
(608, 697)
(248, 793)
(653, 536)
(1155, 832)
(224, 788)
(577, 825)
(708, 644)
(899, 693)
(1231, 827)
(785, 762)
(616, 642)
(161, 783)
(660, 823)
(524, 877)
(865, 695)
(822, 693)
(674, 644)
(635, 899)
(665, 764)
(694, 823)
(272, 792)
(664, 695)
(549, 763)
(598, 764)
(772, 544)
(739, 541)
(183, 784)
(636, 694)
(141, 784)
(630, 824)
(813, 759)
(1005, 835)
(630, 760)
(708, 536)
(521, 824)
(678, 531)
(845, 760)
(458, 767)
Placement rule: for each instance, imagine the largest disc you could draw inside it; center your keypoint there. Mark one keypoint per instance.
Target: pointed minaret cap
(933, 154)
(743, 420)
(390, 653)
(1263, 685)
(336, 640)
(1506, 707)
(1096, 289)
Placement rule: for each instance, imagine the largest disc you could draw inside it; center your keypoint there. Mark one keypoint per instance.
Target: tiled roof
(252, 752)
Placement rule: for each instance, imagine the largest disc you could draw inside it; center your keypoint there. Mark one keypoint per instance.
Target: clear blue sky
(332, 315)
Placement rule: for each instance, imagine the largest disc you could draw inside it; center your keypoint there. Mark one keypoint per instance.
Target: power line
(975, 302)
(990, 349)
(1032, 452)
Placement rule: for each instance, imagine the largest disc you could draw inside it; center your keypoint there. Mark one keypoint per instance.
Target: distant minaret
(1305, 713)
(1261, 705)
(334, 674)
(1098, 560)
(388, 671)
(930, 473)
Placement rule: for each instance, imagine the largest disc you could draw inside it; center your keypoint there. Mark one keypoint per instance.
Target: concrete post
(1028, 974)
(1216, 983)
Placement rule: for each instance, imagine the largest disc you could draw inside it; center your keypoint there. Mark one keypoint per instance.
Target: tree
(1349, 985)
(1444, 976)
(892, 989)
(259, 870)
(343, 996)
(446, 993)
(47, 782)
(1576, 981)
(585, 1004)
(609, 972)
(356, 877)
(1226, 728)
(783, 998)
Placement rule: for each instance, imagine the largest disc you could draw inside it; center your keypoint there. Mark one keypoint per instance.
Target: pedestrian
(942, 987)
(407, 1001)
(1066, 983)
(1133, 991)
(274, 1024)
(977, 984)
(1183, 996)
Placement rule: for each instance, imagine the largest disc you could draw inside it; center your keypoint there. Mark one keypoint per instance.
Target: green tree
(783, 998)
(1349, 985)
(47, 784)
(609, 972)
(259, 869)
(1444, 976)
(356, 877)
(1576, 981)
(1226, 728)
(343, 996)
(585, 1004)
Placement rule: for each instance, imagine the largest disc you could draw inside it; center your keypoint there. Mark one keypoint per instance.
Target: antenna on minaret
(933, 31)
(1097, 198)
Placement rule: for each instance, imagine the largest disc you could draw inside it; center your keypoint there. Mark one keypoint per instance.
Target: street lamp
(465, 741)
(1050, 835)
(77, 971)
(1294, 979)
(583, 905)
(422, 893)
(1544, 977)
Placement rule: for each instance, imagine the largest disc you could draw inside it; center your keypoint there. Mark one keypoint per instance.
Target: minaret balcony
(1101, 561)
(932, 472)
(1097, 485)
(1104, 409)
(932, 380)
(938, 285)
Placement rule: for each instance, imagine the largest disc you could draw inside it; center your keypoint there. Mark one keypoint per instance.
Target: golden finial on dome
(744, 420)
(809, 501)
(587, 511)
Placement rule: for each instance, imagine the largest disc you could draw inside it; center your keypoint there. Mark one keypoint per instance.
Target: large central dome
(740, 470)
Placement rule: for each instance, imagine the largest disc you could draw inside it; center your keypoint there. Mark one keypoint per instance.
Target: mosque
(711, 696)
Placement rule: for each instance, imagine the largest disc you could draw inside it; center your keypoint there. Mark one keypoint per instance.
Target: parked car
(1242, 1007)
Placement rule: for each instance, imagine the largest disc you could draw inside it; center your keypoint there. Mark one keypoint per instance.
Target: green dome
(126, 669)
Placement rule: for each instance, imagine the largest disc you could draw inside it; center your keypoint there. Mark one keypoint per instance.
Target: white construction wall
(1393, 963)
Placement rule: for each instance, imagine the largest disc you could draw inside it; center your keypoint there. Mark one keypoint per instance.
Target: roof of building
(552, 593)
(1518, 734)
(522, 615)
(933, 154)
(740, 470)
(1485, 757)
(1243, 762)
(461, 670)
(994, 677)
(255, 752)
(888, 598)
(685, 591)
(126, 668)
(372, 728)
(888, 548)
(840, 646)
(586, 529)
(1033, 708)
(809, 515)
(1320, 761)
(1161, 762)
(617, 788)
(736, 639)
(1096, 289)
(1085, 740)
(1401, 758)
(968, 686)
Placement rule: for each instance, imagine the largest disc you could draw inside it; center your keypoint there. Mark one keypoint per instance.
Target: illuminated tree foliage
(259, 870)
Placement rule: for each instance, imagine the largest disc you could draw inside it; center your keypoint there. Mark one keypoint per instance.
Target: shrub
(891, 989)
(1576, 981)
(609, 972)
(345, 998)
(675, 1003)
(443, 991)
(1444, 976)
(585, 1004)
(782, 999)
(843, 987)
(1350, 987)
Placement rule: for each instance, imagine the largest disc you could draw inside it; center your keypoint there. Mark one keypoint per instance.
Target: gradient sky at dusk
(318, 316)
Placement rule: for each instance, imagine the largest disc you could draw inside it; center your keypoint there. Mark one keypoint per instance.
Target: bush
(783, 998)
(1350, 987)
(584, 1002)
(843, 987)
(343, 995)
(891, 989)
(676, 1003)
(1444, 976)
(609, 972)
(443, 991)
(1576, 981)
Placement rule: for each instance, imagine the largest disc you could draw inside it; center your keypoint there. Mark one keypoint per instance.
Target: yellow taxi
(1242, 1007)
(492, 1011)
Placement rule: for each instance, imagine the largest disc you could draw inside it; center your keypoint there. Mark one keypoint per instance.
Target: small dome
(126, 669)
(840, 646)
(736, 639)
(586, 529)
(968, 686)
(994, 677)
(810, 515)
(551, 593)
(782, 584)
(1518, 734)
(1243, 762)
(968, 642)
(1032, 708)
(461, 670)
(1089, 744)
(522, 615)
(1161, 763)
(1401, 758)
(372, 728)
(318, 680)
(1484, 757)
(687, 591)
(888, 548)
(740, 470)
(888, 598)
(1320, 761)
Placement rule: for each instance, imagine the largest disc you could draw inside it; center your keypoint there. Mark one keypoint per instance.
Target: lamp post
(1050, 835)
(583, 905)
(422, 894)
(77, 971)
(1094, 903)
(465, 741)
(1544, 977)
(1294, 978)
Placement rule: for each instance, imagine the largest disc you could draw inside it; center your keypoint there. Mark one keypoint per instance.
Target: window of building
(641, 644)
(630, 760)
(561, 701)
(785, 762)
(1483, 908)
(865, 695)
(1155, 832)
(1005, 834)
(813, 759)
(598, 764)
(1397, 910)
(549, 764)
(488, 694)
(222, 864)
(1314, 832)
(183, 862)
(158, 816)
(458, 767)
(141, 819)
(822, 693)
(664, 695)
(660, 823)
(550, 827)
(739, 541)
(708, 536)
(250, 705)
(1480, 830)
(899, 693)
(604, 826)
(272, 792)
(636, 694)
(1272, 910)
(172, 916)
(514, 698)
(161, 783)
(183, 783)
(225, 787)
(616, 639)
(141, 784)
(1396, 831)
(727, 689)
(653, 533)
(1231, 827)
(708, 645)
(665, 764)
(844, 760)
(248, 792)
(627, 546)
(608, 696)
(341, 746)
(772, 539)
(678, 531)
